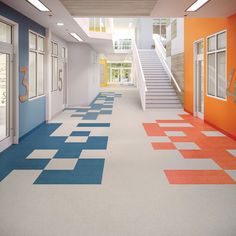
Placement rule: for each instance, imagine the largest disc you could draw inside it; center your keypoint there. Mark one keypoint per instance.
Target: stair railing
(139, 75)
(161, 51)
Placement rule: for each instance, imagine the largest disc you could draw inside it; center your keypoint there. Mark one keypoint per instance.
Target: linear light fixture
(39, 5)
(76, 36)
(197, 4)
(60, 24)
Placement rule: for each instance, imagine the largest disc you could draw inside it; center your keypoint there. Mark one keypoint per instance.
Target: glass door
(115, 75)
(6, 58)
(4, 96)
(125, 76)
(199, 79)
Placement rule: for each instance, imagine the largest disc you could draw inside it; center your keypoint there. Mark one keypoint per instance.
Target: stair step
(159, 87)
(154, 73)
(157, 72)
(154, 70)
(163, 82)
(161, 97)
(160, 91)
(158, 83)
(163, 106)
(162, 101)
(159, 79)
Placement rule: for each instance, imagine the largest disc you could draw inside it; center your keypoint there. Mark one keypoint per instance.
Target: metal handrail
(160, 51)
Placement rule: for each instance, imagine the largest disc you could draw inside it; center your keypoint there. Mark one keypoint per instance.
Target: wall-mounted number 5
(24, 71)
(60, 85)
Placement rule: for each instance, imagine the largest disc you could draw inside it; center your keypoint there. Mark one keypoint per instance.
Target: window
(54, 56)
(5, 33)
(97, 24)
(123, 44)
(63, 52)
(36, 65)
(216, 65)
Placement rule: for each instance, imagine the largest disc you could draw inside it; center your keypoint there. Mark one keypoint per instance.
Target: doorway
(199, 79)
(6, 86)
(120, 73)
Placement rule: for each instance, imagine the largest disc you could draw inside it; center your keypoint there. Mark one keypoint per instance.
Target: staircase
(160, 93)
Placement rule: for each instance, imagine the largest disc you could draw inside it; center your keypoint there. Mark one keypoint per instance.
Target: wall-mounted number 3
(230, 80)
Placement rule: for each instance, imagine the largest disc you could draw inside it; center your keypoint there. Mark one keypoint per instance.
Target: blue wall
(32, 113)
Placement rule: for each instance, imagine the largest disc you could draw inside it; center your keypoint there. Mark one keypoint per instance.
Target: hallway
(99, 174)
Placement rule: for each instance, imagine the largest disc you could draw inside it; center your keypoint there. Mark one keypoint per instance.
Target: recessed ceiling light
(76, 36)
(196, 5)
(39, 5)
(60, 24)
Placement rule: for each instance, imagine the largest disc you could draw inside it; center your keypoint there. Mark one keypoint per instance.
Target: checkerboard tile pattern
(65, 153)
(102, 105)
(195, 140)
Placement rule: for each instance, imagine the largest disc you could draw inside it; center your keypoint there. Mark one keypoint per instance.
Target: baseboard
(191, 113)
(221, 130)
(31, 131)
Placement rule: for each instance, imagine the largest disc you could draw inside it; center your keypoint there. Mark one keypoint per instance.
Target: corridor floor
(111, 169)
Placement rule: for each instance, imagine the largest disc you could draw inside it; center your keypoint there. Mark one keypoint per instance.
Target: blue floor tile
(87, 171)
(80, 133)
(91, 116)
(93, 125)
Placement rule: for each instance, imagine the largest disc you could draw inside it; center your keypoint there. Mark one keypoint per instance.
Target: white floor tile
(186, 146)
(94, 111)
(61, 164)
(93, 154)
(213, 134)
(231, 173)
(159, 139)
(233, 152)
(77, 139)
(42, 154)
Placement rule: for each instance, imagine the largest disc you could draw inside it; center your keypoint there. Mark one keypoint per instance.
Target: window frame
(215, 53)
(37, 52)
(54, 57)
(11, 31)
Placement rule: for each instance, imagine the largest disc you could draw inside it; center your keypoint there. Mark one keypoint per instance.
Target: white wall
(177, 44)
(57, 101)
(144, 33)
(83, 74)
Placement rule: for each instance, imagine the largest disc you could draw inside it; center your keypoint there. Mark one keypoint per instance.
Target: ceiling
(154, 8)
(108, 8)
(49, 20)
(176, 8)
(124, 8)
(59, 14)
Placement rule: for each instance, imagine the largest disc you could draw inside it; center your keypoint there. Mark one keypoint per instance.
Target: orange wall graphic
(221, 114)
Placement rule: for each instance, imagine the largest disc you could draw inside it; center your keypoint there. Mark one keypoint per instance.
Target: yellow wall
(105, 79)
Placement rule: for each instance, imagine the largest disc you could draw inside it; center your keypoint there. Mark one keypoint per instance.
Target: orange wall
(221, 114)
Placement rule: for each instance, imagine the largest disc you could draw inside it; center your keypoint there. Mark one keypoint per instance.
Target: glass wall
(97, 24)
(123, 44)
(120, 73)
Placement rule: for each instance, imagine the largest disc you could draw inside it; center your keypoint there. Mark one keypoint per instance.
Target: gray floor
(135, 198)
